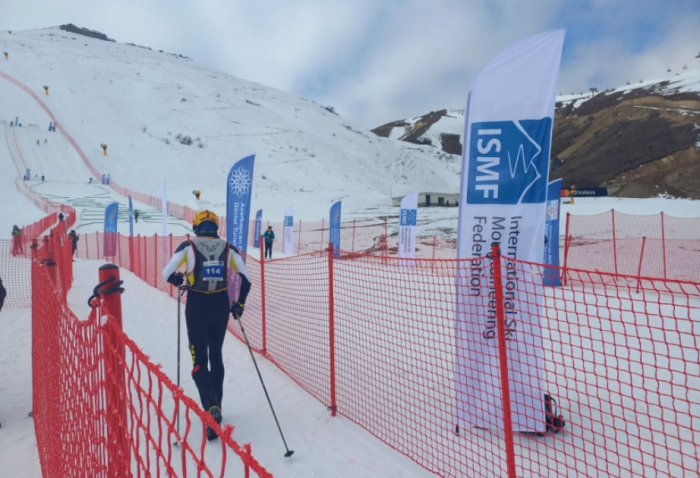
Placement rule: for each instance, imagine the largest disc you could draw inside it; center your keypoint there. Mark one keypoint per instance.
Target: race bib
(213, 271)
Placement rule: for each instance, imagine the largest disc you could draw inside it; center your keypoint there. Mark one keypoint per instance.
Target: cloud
(378, 61)
(610, 60)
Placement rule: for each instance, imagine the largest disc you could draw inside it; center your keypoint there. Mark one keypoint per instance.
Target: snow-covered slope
(145, 105)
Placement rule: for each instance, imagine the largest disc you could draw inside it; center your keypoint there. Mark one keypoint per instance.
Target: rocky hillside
(643, 138)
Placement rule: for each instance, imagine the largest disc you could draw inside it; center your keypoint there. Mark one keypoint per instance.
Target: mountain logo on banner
(240, 181)
(506, 161)
(408, 217)
(288, 221)
(552, 210)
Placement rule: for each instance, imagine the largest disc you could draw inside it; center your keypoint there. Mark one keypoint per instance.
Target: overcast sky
(377, 61)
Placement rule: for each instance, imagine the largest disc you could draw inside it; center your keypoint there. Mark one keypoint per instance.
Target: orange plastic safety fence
(377, 341)
(651, 246)
(15, 272)
(619, 354)
(101, 408)
(15, 264)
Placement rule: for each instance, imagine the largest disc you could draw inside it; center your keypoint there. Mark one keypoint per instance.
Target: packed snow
(138, 101)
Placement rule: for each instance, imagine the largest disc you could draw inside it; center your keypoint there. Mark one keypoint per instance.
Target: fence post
(155, 261)
(164, 263)
(566, 245)
(262, 297)
(639, 269)
(35, 248)
(385, 251)
(322, 226)
(331, 328)
(118, 238)
(614, 241)
(663, 242)
(131, 254)
(299, 240)
(119, 460)
(97, 243)
(353, 235)
(145, 260)
(503, 359)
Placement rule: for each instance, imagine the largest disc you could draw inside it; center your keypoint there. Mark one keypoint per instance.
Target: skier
(60, 216)
(136, 215)
(74, 239)
(17, 241)
(207, 259)
(268, 237)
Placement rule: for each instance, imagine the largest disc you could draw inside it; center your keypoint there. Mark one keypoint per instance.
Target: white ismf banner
(408, 215)
(505, 169)
(289, 230)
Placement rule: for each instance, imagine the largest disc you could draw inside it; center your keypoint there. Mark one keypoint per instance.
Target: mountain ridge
(641, 139)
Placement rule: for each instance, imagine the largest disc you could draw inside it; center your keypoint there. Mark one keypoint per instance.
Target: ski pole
(181, 290)
(240, 323)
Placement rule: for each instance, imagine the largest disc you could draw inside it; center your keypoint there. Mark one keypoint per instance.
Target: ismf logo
(408, 217)
(508, 161)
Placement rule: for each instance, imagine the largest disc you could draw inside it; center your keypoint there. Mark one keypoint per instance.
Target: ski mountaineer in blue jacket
(207, 260)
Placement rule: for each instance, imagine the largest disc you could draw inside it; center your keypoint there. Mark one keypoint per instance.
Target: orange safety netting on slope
(100, 407)
(377, 342)
(15, 264)
(656, 245)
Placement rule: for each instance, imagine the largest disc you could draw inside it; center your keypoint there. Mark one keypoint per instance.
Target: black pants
(268, 249)
(207, 318)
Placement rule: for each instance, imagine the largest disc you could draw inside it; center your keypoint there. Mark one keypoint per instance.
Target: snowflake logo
(240, 181)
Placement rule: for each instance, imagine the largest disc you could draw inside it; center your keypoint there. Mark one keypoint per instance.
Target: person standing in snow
(74, 240)
(136, 215)
(268, 237)
(17, 248)
(207, 260)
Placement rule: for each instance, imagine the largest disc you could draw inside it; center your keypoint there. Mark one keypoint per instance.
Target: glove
(176, 278)
(237, 310)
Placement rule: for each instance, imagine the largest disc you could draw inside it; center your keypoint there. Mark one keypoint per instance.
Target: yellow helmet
(203, 216)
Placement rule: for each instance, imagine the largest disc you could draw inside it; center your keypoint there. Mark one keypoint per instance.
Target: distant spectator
(268, 237)
(3, 294)
(90, 181)
(74, 239)
(42, 177)
(60, 216)
(136, 215)
(17, 248)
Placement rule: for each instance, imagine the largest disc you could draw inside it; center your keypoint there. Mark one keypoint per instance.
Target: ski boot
(215, 412)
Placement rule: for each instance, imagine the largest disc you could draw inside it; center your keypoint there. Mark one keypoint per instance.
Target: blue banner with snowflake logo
(239, 184)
